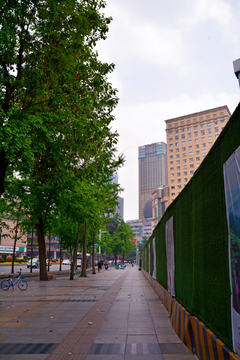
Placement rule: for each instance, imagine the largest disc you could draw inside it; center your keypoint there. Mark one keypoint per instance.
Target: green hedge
(201, 239)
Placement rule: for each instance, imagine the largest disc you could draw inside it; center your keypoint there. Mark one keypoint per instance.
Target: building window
(198, 158)
(195, 133)
(183, 136)
(195, 127)
(198, 165)
(179, 186)
(185, 179)
(190, 141)
(183, 149)
(183, 142)
(209, 131)
(178, 161)
(202, 132)
(172, 181)
(170, 139)
(196, 146)
(177, 137)
(171, 145)
(185, 173)
(210, 143)
(204, 145)
(216, 129)
(216, 136)
(190, 154)
(201, 126)
(177, 144)
(189, 135)
(172, 168)
(171, 156)
(170, 132)
(171, 162)
(197, 152)
(215, 122)
(185, 166)
(196, 140)
(190, 147)
(210, 137)
(178, 180)
(189, 129)
(184, 154)
(184, 161)
(172, 175)
(209, 124)
(178, 174)
(191, 159)
(173, 194)
(171, 150)
(177, 156)
(172, 187)
(192, 172)
(176, 131)
(178, 167)
(177, 150)
(191, 166)
(222, 120)
(182, 130)
(203, 138)
(204, 151)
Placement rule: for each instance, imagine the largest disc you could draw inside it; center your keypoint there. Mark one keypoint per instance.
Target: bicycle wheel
(5, 285)
(23, 285)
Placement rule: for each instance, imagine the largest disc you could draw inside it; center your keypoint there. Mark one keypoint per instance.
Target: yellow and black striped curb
(193, 333)
(181, 322)
(208, 346)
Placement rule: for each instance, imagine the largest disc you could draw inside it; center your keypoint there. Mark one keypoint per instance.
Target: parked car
(66, 262)
(35, 263)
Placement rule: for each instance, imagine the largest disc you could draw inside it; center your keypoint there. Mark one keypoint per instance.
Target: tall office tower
(189, 139)
(120, 207)
(152, 173)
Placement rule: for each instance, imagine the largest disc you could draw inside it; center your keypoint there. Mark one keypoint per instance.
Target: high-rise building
(189, 139)
(152, 173)
(120, 207)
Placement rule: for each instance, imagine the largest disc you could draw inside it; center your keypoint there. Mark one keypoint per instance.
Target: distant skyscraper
(152, 173)
(189, 138)
(120, 206)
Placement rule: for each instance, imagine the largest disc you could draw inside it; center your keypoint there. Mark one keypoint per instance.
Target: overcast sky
(172, 58)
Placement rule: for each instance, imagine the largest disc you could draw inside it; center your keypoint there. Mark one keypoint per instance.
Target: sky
(172, 58)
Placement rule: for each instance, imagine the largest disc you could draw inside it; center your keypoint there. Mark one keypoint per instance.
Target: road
(6, 269)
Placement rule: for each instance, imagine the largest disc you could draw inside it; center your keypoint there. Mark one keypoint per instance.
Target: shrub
(9, 258)
(4, 257)
(2, 260)
(25, 257)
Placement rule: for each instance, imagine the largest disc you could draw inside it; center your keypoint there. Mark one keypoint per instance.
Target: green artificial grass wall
(202, 283)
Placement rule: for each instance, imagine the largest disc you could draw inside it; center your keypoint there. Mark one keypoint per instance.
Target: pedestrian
(99, 266)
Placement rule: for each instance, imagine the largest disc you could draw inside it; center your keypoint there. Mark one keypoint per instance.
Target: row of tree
(58, 151)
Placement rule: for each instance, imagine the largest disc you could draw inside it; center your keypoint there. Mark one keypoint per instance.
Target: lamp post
(100, 233)
(236, 68)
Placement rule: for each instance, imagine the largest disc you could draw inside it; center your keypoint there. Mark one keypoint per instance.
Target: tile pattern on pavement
(112, 315)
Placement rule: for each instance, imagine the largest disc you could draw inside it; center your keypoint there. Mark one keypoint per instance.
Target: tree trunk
(49, 248)
(42, 250)
(15, 240)
(60, 265)
(75, 253)
(115, 257)
(93, 251)
(31, 251)
(123, 258)
(84, 253)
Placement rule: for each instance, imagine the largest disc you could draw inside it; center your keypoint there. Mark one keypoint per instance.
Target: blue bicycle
(7, 283)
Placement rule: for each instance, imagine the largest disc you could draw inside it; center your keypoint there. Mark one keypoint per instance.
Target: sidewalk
(112, 315)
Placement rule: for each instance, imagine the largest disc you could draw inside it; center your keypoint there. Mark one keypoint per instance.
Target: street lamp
(100, 233)
(236, 68)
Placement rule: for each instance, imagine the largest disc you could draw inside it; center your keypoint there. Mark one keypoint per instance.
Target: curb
(193, 333)
(36, 274)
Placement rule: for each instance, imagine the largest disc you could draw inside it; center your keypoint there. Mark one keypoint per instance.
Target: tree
(57, 97)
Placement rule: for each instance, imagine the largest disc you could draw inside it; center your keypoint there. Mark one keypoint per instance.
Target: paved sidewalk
(112, 315)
